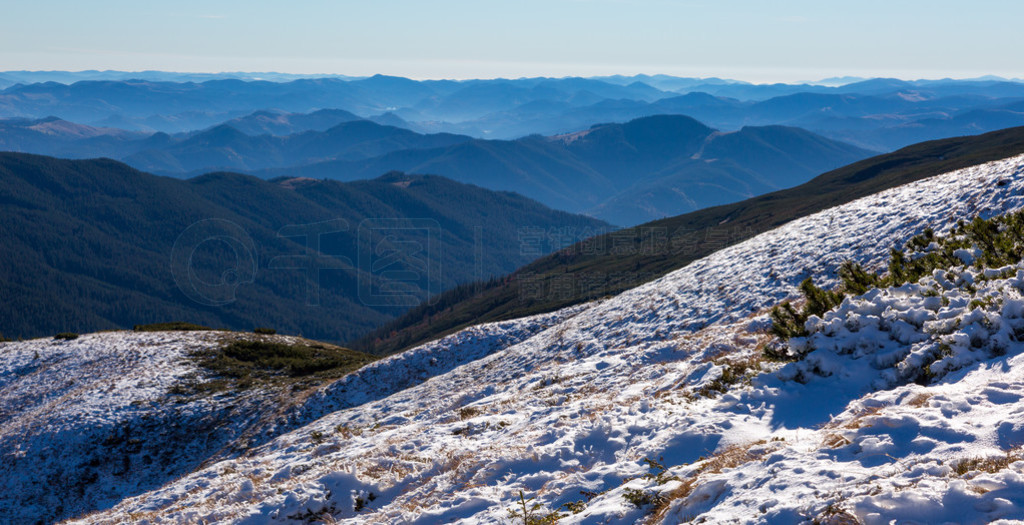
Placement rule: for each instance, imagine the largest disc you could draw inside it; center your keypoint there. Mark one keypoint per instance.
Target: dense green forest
(94, 244)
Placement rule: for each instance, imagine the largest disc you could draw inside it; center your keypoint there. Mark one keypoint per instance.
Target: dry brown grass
(379, 471)
(454, 471)
(990, 465)
(737, 370)
(348, 432)
(730, 457)
(858, 420)
(324, 450)
(919, 400)
(468, 413)
(834, 440)
(833, 515)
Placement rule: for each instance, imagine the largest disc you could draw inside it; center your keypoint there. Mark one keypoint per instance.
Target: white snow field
(85, 423)
(574, 410)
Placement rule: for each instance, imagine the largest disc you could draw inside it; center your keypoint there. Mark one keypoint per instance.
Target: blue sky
(762, 41)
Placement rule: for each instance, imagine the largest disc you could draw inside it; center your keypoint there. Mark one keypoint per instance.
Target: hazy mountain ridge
(599, 170)
(93, 100)
(70, 77)
(59, 138)
(871, 113)
(872, 121)
(257, 141)
(226, 147)
(267, 122)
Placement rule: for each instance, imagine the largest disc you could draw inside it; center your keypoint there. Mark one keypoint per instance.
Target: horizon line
(836, 79)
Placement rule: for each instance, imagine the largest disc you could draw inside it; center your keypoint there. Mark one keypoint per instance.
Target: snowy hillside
(85, 422)
(657, 405)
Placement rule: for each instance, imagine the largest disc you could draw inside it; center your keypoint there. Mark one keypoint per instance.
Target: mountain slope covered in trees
(94, 244)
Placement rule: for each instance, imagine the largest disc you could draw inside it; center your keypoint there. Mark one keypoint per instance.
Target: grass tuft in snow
(834, 514)
(468, 413)
(734, 371)
(727, 458)
(324, 515)
(990, 465)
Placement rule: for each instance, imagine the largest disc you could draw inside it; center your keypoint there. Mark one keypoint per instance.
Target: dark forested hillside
(95, 244)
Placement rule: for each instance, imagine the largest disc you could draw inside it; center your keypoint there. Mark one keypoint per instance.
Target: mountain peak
(295, 182)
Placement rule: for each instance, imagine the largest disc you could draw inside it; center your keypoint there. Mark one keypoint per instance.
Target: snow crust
(567, 408)
(65, 406)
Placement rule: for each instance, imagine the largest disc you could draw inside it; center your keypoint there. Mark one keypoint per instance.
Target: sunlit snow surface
(577, 406)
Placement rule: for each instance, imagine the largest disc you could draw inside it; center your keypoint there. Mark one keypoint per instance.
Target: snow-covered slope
(85, 422)
(671, 372)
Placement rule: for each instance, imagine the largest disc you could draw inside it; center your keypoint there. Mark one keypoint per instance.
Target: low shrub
(787, 322)
(856, 280)
(324, 515)
(246, 358)
(264, 331)
(243, 364)
(66, 336)
(657, 471)
(991, 243)
(576, 507)
(640, 498)
(734, 372)
(529, 512)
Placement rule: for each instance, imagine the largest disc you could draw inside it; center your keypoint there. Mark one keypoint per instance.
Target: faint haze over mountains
(879, 114)
(659, 80)
(70, 77)
(745, 39)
